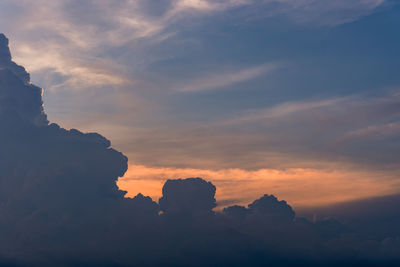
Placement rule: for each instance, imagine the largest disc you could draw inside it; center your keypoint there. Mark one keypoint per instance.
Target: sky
(297, 98)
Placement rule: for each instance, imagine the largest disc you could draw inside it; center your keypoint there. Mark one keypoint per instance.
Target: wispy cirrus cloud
(75, 33)
(377, 130)
(106, 48)
(325, 12)
(222, 79)
(304, 134)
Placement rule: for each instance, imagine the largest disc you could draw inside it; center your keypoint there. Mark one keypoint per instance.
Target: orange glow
(299, 187)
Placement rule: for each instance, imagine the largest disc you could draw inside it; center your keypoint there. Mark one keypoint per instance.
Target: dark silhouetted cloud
(274, 210)
(187, 196)
(60, 206)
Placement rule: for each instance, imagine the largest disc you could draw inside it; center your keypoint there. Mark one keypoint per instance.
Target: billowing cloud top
(19, 99)
(59, 205)
(260, 83)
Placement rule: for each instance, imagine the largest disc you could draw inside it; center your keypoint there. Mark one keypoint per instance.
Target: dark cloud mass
(60, 206)
(191, 195)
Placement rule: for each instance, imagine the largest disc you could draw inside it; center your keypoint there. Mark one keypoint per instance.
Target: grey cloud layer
(123, 65)
(60, 206)
(77, 33)
(355, 130)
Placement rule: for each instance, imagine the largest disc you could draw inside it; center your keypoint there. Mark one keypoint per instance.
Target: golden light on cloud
(300, 187)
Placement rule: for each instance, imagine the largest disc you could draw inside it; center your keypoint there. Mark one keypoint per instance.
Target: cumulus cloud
(239, 186)
(108, 54)
(60, 205)
(276, 211)
(18, 98)
(187, 196)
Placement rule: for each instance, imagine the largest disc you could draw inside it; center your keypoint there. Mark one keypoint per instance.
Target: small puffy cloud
(267, 209)
(239, 186)
(192, 195)
(273, 209)
(236, 212)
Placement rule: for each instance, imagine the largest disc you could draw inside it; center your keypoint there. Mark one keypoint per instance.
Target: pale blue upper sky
(220, 84)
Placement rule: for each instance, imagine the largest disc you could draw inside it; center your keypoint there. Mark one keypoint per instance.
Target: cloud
(388, 129)
(369, 215)
(192, 195)
(71, 41)
(47, 170)
(325, 12)
(326, 124)
(331, 183)
(77, 74)
(283, 110)
(223, 80)
(123, 57)
(18, 98)
(60, 204)
(263, 138)
(275, 211)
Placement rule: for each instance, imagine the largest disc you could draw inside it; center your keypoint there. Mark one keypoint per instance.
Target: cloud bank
(60, 205)
(330, 184)
(122, 67)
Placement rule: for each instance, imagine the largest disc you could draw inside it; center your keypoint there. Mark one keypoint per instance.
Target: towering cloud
(19, 99)
(50, 178)
(59, 205)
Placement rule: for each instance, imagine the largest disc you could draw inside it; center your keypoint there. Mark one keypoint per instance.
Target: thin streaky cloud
(223, 80)
(127, 22)
(348, 103)
(284, 110)
(375, 131)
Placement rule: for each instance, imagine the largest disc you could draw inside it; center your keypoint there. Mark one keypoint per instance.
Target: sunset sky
(300, 99)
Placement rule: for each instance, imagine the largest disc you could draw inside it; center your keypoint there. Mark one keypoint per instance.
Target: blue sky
(216, 85)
